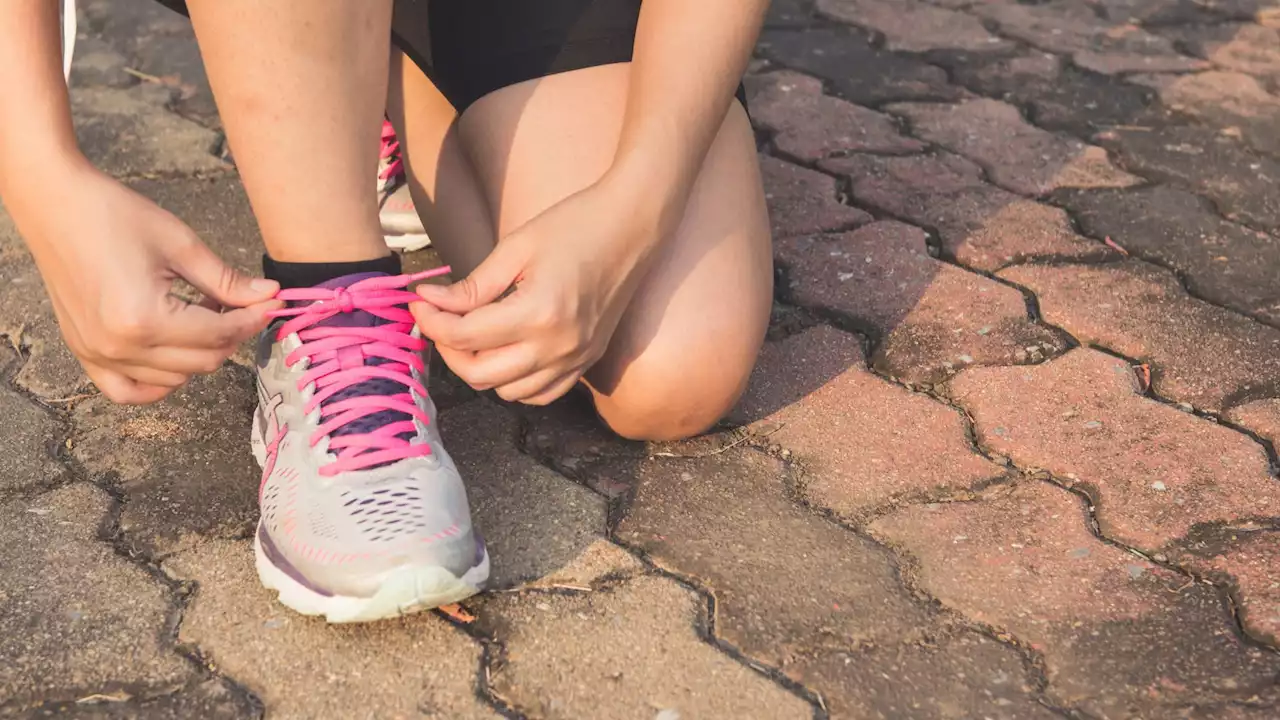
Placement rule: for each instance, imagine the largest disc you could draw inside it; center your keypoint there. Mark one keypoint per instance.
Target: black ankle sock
(296, 274)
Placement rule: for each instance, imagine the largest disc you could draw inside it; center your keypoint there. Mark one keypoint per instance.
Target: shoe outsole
(403, 591)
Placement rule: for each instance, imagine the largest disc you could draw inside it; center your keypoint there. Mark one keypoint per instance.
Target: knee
(659, 409)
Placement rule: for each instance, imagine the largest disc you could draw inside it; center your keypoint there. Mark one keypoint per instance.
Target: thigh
(440, 176)
(684, 349)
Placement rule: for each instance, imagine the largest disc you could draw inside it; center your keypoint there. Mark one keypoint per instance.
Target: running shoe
(364, 515)
(401, 226)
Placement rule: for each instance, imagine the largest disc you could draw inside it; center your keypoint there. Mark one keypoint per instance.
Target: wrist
(653, 186)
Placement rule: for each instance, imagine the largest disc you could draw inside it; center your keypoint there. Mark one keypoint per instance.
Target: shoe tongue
(373, 386)
(356, 318)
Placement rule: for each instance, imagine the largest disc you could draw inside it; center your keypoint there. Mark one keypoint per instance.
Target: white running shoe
(364, 515)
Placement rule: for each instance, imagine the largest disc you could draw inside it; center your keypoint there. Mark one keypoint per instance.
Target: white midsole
(404, 590)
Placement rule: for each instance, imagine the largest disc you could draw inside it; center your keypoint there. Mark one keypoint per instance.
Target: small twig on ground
(717, 451)
(145, 76)
(121, 696)
(73, 398)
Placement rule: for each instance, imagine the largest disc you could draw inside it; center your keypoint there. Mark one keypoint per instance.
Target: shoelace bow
(336, 361)
(390, 175)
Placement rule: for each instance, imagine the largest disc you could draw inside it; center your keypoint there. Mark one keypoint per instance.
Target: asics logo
(272, 431)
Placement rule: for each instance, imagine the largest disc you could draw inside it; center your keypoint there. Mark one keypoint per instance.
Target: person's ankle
(309, 274)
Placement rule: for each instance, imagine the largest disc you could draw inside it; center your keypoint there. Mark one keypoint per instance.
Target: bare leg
(301, 87)
(441, 178)
(684, 351)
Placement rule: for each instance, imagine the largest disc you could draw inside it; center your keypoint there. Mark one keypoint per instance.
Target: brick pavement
(1009, 452)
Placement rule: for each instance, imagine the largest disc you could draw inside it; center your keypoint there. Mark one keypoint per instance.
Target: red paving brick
(1071, 27)
(833, 416)
(915, 26)
(1018, 156)
(1260, 416)
(849, 548)
(1243, 47)
(1154, 471)
(803, 201)
(1250, 561)
(809, 126)
(978, 224)
(931, 318)
(1120, 637)
(1199, 353)
(1228, 100)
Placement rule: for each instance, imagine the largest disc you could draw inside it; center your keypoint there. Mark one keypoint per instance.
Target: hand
(573, 268)
(109, 260)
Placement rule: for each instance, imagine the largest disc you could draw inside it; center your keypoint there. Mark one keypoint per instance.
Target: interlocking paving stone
(26, 318)
(1018, 156)
(1240, 182)
(1157, 13)
(208, 700)
(160, 43)
(914, 26)
(808, 125)
(789, 13)
(839, 623)
(856, 71)
(1250, 562)
(1120, 637)
(629, 651)
(1222, 262)
(1057, 96)
(76, 619)
(1228, 100)
(1244, 47)
(803, 201)
(536, 522)
(130, 131)
(569, 436)
(300, 667)
(1155, 473)
(978, 224)
(31, 437)
(176, 499)
(829, 411)
(1072, 27)
(1199, 353)
(1260, 416)
(931, 318)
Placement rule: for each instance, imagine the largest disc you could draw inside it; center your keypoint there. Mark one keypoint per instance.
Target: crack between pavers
(109, 532)
(1082, 491)
(493, 653)
(615, 509)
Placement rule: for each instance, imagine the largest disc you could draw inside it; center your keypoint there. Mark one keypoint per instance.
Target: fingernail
(263, 285)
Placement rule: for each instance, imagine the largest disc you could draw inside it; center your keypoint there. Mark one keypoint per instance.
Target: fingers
(484, 285)
(198, 265)
(185, 361)
(490, 326)
(196, 326)
(540, 388)
(124, 390)
(492, 368)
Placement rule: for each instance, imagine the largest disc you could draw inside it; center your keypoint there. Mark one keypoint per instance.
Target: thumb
(485, 284)
(198, 265)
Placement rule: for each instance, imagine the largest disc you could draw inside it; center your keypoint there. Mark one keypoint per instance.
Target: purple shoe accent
(276, 558)
(361, 318)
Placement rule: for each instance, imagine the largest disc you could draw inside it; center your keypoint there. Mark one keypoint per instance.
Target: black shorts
(469, 48)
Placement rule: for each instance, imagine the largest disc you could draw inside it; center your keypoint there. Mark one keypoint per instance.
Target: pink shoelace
(337, 356)
(390, 175)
